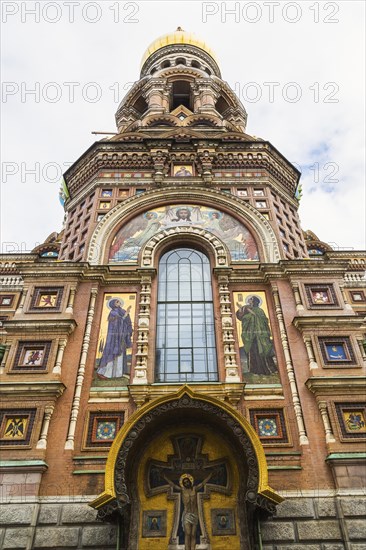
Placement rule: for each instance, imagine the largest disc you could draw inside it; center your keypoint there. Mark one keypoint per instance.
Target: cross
(203, 475)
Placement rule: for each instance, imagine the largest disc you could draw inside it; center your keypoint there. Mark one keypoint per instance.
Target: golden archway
(115, 493)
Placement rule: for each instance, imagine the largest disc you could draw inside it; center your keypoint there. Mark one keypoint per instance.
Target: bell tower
(180, 86)
(182, 357)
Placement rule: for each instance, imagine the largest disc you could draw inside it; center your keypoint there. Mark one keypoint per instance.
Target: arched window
(181, 95)
(185, 341)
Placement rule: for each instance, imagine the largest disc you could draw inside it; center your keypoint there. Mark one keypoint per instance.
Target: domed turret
(180, 86)
(180, 42)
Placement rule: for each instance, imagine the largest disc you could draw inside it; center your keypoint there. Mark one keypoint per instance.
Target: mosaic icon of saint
(113, 363)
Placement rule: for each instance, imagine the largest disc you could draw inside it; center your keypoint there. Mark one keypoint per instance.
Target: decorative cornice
(114, 155)
(341, 322)
(18, 466)
(337, 385)
(32, 389)
(40, 325)
(231, 393)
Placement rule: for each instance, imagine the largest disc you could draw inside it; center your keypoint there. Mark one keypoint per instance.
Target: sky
(298, 68)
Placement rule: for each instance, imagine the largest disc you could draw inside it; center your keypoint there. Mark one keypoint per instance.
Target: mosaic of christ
(131, 237)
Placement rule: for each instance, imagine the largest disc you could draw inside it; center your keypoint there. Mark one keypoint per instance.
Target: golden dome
(177, 37)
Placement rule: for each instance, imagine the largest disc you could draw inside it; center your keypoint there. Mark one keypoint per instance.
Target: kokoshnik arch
(182, 364)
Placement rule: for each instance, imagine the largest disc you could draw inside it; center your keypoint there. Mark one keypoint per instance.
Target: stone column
(22, 300)
(60, 353)
(329, 438)
(42, 443)
(360, 341)
(344, 295)
(140, 374)
(228, 340)
(5, 357)
(290, 369)
(81, 371)
(70, 303)
(298, 302)
(309, 348)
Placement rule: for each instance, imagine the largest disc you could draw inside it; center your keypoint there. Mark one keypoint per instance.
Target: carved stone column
(59, 356)
(208, 98)
(22, 300)
(42, 442)
(298, 302)
(228, 340)
(159, 158)
(360, 342)
(154, 95)
(205, 159)
(81, 371)
(309, 348)
(5, 357)
(344, 295)
(329, 438)
(70, 303)
(290, 369)
(140, 374)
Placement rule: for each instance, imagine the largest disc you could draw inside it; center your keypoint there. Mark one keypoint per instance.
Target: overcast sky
(298, 67)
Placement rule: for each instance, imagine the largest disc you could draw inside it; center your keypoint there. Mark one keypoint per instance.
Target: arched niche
(188, 413)
(123, 213)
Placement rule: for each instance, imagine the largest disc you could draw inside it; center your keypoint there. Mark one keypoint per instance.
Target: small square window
(242, 192)
(260, 204)
(123, 193)
(258, 192)
(140, 191)
(106, 193)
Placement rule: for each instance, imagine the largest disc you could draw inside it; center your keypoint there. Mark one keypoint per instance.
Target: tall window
(185, 342)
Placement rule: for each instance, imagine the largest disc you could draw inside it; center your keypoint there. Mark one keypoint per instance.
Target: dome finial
(180, 29)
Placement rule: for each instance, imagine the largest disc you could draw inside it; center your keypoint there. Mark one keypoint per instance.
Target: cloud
(323, 61)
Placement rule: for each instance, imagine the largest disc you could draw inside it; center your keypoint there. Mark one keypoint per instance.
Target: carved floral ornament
(138, 428)
(101, 238)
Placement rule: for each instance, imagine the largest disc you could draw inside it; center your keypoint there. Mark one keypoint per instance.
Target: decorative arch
(217, 247)
(107, 227)
(117, 492)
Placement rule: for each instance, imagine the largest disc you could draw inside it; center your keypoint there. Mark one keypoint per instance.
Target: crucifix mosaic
(188, 477)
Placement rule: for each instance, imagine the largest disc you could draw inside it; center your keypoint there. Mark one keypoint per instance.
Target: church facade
(183, 367)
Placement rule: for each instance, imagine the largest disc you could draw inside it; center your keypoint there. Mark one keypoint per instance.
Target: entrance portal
(186, 472)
